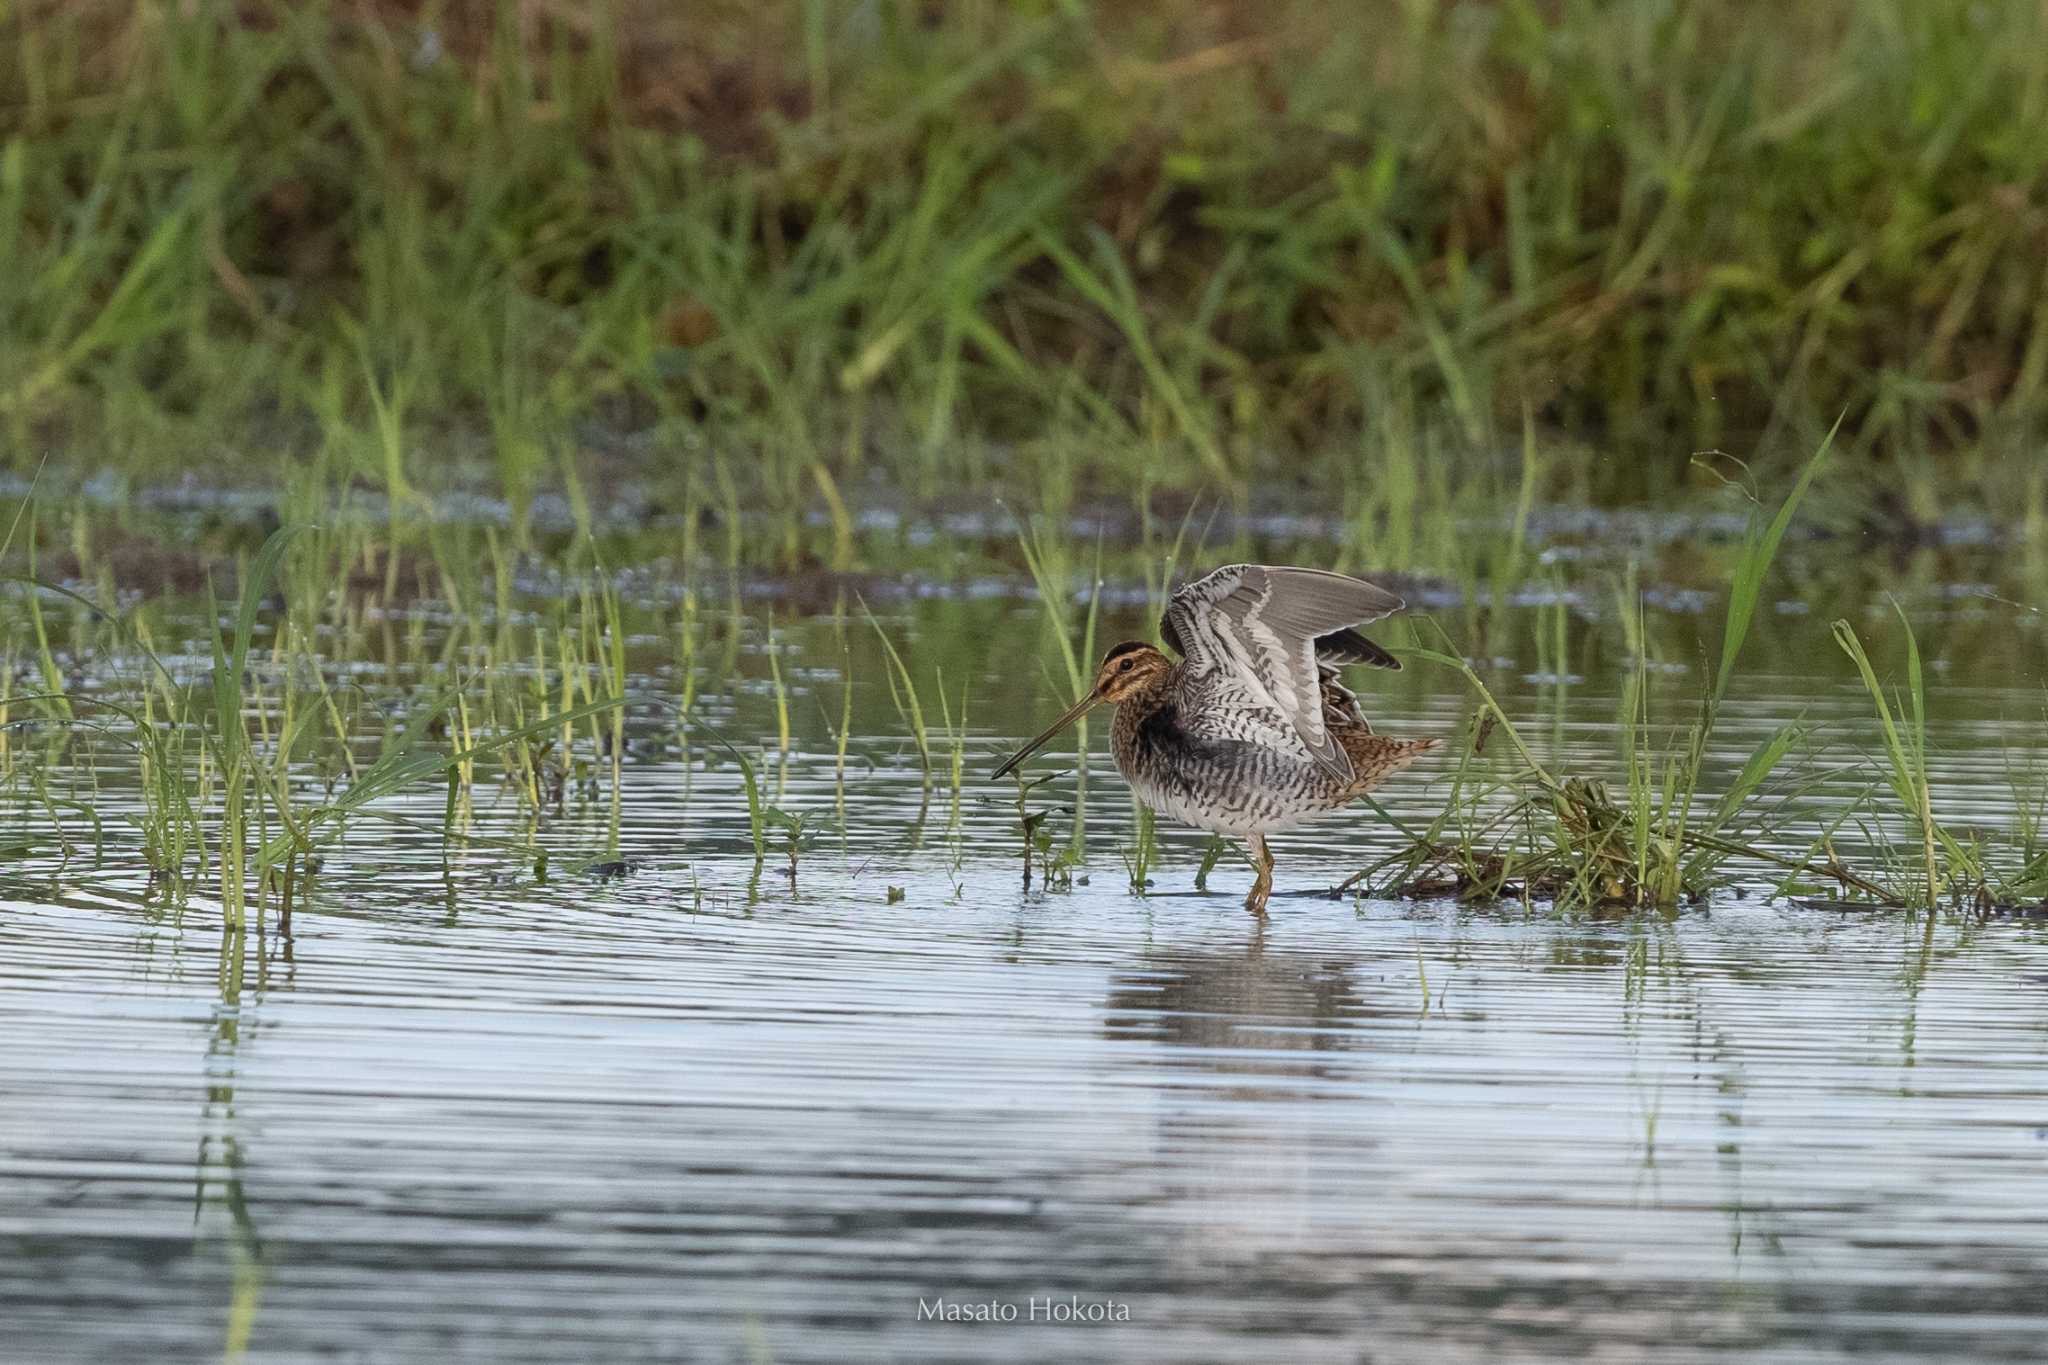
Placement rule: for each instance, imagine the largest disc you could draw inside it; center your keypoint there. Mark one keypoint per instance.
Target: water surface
(697, 1112)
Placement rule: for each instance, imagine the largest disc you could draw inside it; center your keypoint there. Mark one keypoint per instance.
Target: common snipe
(1251, 731)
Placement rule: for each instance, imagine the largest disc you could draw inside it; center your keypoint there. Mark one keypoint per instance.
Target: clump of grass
(218, 761)
(2030, 824)
(1570, 839)
(235, 756)
(1944, 865)
(1905, 746)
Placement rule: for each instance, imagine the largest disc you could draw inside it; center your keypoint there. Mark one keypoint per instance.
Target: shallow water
(691, 1113)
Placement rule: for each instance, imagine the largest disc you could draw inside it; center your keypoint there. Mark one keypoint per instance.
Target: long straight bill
(1072, 714)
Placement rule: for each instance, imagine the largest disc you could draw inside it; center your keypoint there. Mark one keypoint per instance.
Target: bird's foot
(1262, 883)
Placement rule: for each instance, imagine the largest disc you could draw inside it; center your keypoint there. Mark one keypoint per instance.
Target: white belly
(1260, 815)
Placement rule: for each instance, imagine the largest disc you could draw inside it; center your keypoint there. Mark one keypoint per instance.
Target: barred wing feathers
(1261, 626)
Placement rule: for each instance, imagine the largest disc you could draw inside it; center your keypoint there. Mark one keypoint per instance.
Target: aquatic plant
(218, 762)
(1033, 825)
(1142, 852)
(1577, 842)
(798, 834)
(1046, 557)
(956, 746)
(903, 693)
(383, 656)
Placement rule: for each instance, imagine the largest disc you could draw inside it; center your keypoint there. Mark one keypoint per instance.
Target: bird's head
(1128, 668)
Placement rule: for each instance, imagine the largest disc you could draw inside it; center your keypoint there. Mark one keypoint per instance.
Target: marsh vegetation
(338, 673)
(824, 261)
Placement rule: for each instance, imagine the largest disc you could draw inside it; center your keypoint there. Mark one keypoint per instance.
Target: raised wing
(1259, 625)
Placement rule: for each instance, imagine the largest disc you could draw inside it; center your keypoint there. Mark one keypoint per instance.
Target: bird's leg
(1262, 885)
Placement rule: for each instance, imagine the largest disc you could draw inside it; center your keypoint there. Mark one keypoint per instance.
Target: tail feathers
(1374, 758)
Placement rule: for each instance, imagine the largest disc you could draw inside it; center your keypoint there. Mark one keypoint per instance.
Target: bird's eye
(1124, 667)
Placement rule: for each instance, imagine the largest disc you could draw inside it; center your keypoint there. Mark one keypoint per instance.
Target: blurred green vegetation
(804, 256)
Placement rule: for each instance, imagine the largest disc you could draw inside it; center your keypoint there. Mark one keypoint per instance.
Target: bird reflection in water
(1267, 1132)
(1284, 1021)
